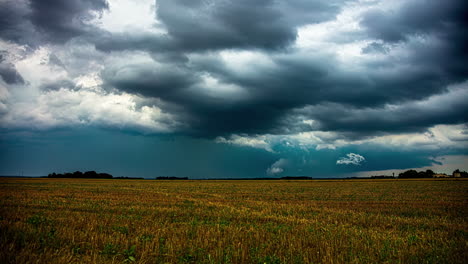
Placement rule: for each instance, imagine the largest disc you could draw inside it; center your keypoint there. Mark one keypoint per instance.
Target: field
(149, 221)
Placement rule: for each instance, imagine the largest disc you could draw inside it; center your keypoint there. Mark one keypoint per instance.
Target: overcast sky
(233, 88)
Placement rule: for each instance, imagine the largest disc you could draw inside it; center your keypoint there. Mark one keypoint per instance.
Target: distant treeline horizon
(409, 174)
(86, 175)
(79, 174)
(95, 175)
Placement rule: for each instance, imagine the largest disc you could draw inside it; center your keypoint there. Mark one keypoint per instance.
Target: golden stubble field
(149, 221)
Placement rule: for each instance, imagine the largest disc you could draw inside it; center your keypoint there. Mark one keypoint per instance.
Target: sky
(233, 88)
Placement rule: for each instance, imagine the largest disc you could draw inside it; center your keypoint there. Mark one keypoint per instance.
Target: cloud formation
(267, 75)
(351, 159)
(35, 22)
(213, 64)
(277, 167)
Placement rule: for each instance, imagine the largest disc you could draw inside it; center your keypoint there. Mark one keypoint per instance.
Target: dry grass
(147, 221)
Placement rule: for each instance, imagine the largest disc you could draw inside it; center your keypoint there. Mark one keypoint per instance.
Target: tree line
(409, 174)
(79, 174)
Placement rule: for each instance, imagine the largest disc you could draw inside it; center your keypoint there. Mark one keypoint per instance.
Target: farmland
(314, 221)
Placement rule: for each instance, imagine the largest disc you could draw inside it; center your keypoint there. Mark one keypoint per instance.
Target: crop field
(314, 221)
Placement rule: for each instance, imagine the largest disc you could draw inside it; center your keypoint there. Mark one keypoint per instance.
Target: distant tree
(171, 178)
(79, 174)
(409, 174)
(105, 176)
(90, 174)
(296, 178)
(463, 174)
(414, 174)
(382, 177)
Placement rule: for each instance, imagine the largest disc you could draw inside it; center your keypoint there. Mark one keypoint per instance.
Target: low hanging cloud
(351, 159)
(254, 142)
(277, 167)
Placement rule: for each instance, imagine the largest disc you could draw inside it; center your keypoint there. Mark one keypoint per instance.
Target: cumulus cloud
(65, 108)
(56, 94)
(254, 142)
(277, 167)
(351, 158)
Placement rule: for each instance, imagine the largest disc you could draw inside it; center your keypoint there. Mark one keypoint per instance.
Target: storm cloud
(35, 22)
(198, 26)
(258, 74)
(8, 72)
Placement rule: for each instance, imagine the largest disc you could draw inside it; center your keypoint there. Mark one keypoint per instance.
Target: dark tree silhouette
(463, 174)
(79, 174)
(409, 174)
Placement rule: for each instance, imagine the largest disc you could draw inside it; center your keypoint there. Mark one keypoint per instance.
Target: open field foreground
(148, 221)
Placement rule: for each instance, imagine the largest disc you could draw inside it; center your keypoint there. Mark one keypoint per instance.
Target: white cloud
(436, 137)
(35, 69)
(277, 167)
(351, 158)
(215, 89)
(64, 107)
(86, 103)
(245, 63)
(274, 170)
(254, 142)
(4, 94)
(130, 15)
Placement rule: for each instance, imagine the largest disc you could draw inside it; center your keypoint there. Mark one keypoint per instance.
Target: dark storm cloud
(417, 17)
(299, 80)
(442, 22)
(14, 25)
(264, 96)
(62, 20)
(180, 85)
(447, 109)
(151, 80)
(9, 74)
(198, 25)
(302, 12)
(36, 21)
(8, 71)
(224, 24)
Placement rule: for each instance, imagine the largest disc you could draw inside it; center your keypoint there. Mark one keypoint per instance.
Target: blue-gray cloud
(244, 72)
(46, 21)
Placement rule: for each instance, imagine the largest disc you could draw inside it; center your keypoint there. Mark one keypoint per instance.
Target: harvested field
(315, 221)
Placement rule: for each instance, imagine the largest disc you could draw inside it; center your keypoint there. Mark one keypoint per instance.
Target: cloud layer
(269, 75)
